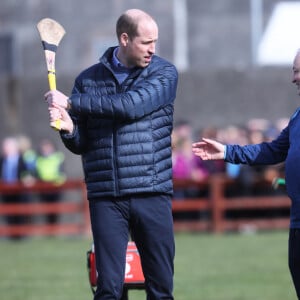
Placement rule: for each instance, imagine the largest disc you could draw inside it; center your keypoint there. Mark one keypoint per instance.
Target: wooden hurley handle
(52, 80)
(56, 125)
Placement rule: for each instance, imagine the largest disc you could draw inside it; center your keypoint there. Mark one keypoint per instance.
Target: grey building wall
(220, 87)
(233, 97)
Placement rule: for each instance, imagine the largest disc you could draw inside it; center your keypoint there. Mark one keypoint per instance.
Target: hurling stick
(51, 33)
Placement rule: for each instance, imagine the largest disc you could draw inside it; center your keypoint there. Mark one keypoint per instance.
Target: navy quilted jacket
(123, 132)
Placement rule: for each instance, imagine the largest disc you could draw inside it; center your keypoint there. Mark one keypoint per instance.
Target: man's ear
(124, 39)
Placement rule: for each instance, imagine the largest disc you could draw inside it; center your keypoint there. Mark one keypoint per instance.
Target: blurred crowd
(248, 180)
(21, 162)
(187, 166)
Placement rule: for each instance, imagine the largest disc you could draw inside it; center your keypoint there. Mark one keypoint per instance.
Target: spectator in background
(185, 167)
(29, 157)
(13, 169)
(184, 161)
(249, 176)
(211, 167)
(284, 148)
(233, 134)
(49, 168)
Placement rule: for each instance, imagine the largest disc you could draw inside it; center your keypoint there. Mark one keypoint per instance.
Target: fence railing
(75, 209)
(214, 208)
(217, 206)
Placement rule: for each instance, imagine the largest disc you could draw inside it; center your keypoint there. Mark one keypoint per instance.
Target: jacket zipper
(119, 89)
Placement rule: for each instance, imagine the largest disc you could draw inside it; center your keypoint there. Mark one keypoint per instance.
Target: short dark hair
(128, 25)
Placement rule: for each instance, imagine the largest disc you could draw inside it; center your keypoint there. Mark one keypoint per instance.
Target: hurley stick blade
(51, 33)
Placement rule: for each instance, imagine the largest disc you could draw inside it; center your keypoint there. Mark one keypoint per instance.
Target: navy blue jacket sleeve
(260, 154)
(154, 89)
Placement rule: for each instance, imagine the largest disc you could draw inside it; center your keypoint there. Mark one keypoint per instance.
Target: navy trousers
(148, 218)
(294, 258)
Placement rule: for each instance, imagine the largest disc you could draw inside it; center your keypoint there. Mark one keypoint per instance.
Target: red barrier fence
(215, 206)
(76, 208)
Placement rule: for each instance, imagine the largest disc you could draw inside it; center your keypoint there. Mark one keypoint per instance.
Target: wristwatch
(69, 104)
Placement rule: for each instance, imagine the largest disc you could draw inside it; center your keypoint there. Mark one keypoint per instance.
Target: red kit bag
(134, 277)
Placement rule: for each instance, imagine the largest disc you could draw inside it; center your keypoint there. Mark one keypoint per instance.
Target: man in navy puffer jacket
(285, 148)
(119, 118)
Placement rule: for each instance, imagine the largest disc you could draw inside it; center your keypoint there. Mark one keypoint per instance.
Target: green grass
(207, 267)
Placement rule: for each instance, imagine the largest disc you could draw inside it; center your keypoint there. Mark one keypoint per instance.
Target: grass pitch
(207, 267)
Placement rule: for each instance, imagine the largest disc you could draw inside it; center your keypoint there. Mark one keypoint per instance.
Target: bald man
(119, 118)
(285, 148)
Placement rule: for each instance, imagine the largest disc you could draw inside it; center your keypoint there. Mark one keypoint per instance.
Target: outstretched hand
(209, 149)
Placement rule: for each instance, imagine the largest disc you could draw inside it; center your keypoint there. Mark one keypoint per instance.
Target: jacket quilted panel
(123, 132)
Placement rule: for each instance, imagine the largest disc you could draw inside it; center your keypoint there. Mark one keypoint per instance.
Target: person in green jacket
(49, 168)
